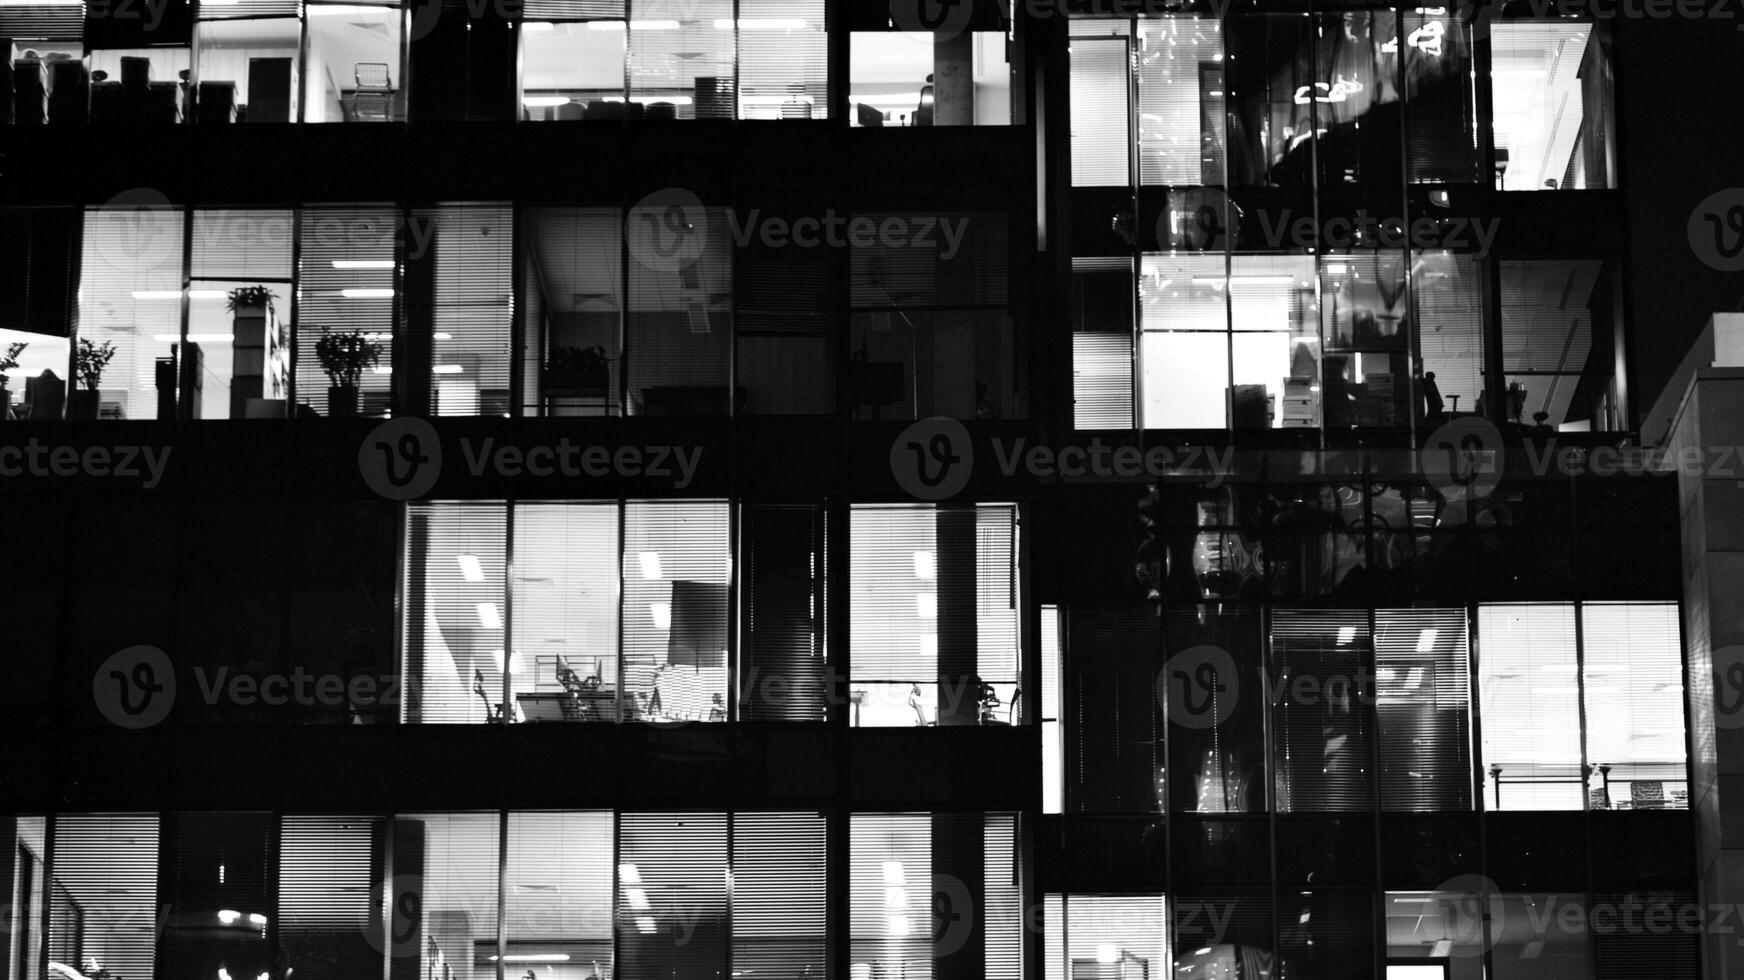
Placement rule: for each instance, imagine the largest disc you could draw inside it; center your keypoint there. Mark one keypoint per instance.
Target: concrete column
(954, 80)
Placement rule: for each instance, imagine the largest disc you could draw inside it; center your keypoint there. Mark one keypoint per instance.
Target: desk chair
(914, 701)
(374, 99)
(1647, 794)
(494, 713)
(1598, 798)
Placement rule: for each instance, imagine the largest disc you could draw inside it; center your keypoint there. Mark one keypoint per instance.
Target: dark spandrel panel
(1641, 848)
(1220, 933)
(1114, 657)
(1514, 562)
(1210, 687)
(1536, 850)
(120, 595)
(1649, 934)
(35, 606)
(1224, 851)
(1422, 850)
(1327, 935)
(229, 614)
(1316, 852)
(1630, 561)
(342, 583)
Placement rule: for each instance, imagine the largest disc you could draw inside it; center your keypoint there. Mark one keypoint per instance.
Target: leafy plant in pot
(88, 364)
(245, 298)
(8, 361)
(569, 368)
(344, 356)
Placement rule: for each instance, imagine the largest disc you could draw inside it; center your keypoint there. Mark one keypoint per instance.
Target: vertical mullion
(509, 508)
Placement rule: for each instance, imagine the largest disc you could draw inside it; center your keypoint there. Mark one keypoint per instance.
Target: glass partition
(898, 78)
(1551, 85)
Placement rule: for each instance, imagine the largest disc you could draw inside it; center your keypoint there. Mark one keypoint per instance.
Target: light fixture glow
(367, 293)
(899, 925)
(650, 561)
(543, 101)
(447, 369)
(629, 874)
(471, 568)
(638, 899)
(662, 613)
(1346, 634)
(926, 605)
(893, 874)
(645, 925)
(363, 263)
(228, 916)
(488, 617)
(924, 566)
(1107, 954)
(1426, 640)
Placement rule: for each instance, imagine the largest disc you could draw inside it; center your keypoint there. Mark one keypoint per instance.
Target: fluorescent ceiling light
(650, 561)
(926, 605)
(899, 925)
(447, 369)
(929, 645)
(629, 874)
(470, 567)
(645, 925)
(893, 873)
(533, 958)
(543, 101)
(363, 263)
(488, 617)
(1426, 640)
(1346, 634)
(924, 567)
(638, 899)
(763, 24)
(255, 918)
(383, 369)
(196, 338)
(367, 293)
(662, 613)
(1107, 954)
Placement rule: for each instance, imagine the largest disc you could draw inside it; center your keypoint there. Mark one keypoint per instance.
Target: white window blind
(130, 296)
(1633, 660)
(688, 62)
(469, 249)
(673, 895)
(444, 891)
(346, 281)
(1101, 141)
(1002, 907)
(326, 873)
(103, 898)
(890, 889)
(676, 567)
(779, 895)
(1104, 935)
(565, 610)
(241, 9)
(783, 60)
(1423, 700)
(43, 21)
(557, 890)
(1102, 339)
(1529, 702)
(456, 611)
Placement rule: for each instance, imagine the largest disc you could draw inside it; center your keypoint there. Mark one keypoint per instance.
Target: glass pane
(352, 69)
(1423, 699)
(681, 315)
(572, 310)
(1322, 733)
(130, 316)
(346, 285)
(444, 892)
(920, 79)
(573, 71)
(1101, 141)
(673, 902)
(1634, 704)
(325, 888)
(565, 600)
(246, 70)
(217, 904)
(103, 898)
(455, 595)
(1557, 352)
(1116, 936)
(676, 568)
(783, 60)
(685, 66)
(557, 888)
(1366, 324)
(1551, 81)
(135, 85)
(1182, 121)
(1530, 707)
(1447, 291)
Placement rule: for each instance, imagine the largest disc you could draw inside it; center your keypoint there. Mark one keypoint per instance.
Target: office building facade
(808, 488)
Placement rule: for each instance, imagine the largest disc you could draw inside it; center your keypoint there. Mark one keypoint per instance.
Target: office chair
(920, 718)
(1647, 794)
(374, 98)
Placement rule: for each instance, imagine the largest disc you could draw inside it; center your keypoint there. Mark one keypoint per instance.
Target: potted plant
(8, 361)
(88, 366)
(344, 356)
(577, 367)
(243, 299)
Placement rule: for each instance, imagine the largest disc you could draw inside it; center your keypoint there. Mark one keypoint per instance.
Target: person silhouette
(1433, 410)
